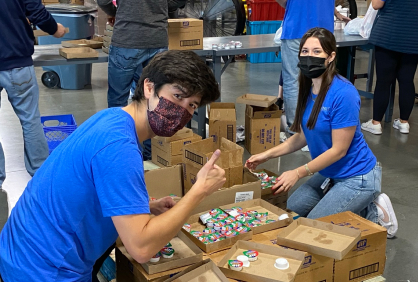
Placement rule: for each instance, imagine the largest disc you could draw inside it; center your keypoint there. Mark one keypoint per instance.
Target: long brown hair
(329, 45)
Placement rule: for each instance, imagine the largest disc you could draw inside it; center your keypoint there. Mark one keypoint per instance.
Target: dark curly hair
(184, 68)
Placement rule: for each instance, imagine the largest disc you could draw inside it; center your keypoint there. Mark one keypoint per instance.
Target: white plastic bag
(353, 26)
(366, 26)
(278, 36)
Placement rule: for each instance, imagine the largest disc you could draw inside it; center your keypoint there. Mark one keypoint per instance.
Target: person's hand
(256, 160)
(343, 18)
(162, 205)
(211, 176)
(60, 31)
(111, 21)
(286, 181)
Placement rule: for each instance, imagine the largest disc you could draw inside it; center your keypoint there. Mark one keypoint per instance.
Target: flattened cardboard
(82, 43)
(186, 253)
(263, 206)
(251, 186)
(108, 32)
(196, 225)
(263, 270)
(202, 271)
(107, 39)
(262, 128)
(185, 34)
(257, 100)
(367, 258)
(317, 237)
(279, 200)
(222, 121)
(159, 189)
(78, 53)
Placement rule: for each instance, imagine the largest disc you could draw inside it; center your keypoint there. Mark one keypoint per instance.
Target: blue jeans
(354, 194)
(23, 93)
(124, 70)
(290, 72)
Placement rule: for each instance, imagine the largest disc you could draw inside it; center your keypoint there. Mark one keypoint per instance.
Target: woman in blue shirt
(346, 175)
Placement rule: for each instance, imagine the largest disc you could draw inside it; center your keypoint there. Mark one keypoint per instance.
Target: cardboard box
(197, 225)
(279, 200)
(367, 258)
(263, 270)
(108, 33)
(319, 238)
(128, 270)
(198, 154)
(82, 43)
(250, 189)
(260, 205)
(168, 151)
(186, 253)
(202, 271)
(105, 49)
(156, 189)
(78, 53)
(223, 121)
(185, 34)
(262, 122)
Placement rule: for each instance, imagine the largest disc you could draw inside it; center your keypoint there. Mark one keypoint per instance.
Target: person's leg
(307, 196)
(386, 65)
(99, 263)
(23, 94)
(122, 66)
(2, 159)
(354, 194)
(290, 72)
(405, 76)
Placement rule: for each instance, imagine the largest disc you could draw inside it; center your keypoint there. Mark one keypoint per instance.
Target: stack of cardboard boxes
(107, 38)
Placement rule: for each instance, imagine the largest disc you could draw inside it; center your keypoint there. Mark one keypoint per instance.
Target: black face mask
(312, 67)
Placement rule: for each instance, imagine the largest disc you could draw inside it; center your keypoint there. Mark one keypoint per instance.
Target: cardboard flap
(319, 238)
(257, 100)
(174, 185)
(263, 112)
(202, 271)
(181, 134)
(222, 111)
(184, 23)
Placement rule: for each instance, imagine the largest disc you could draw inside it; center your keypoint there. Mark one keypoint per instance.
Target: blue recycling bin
(80, 20)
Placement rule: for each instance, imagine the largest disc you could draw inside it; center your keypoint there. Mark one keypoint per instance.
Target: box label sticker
(244, 196)
(193, 157)
(363, 271)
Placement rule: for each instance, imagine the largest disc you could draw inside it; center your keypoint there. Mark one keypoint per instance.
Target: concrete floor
(396, 152)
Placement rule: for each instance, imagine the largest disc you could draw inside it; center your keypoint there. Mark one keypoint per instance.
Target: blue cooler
(80, 20)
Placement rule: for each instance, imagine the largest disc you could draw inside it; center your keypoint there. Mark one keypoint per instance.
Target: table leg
(350, 64)
(370, 71)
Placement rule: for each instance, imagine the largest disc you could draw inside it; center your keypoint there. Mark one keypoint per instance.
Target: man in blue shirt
(17, 75)
(91, 189)
(300, 16)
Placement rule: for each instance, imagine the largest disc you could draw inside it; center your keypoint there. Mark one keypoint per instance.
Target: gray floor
(396, 151)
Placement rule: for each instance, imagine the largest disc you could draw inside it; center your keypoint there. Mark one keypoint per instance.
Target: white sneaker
(387, 217)
(372, 128)
(402, 127)
(283, 137)
(305, 149)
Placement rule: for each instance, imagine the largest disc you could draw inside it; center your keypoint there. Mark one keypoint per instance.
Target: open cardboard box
(257, 100)
(82, 43)
(263, 270)
(202, 271)
(78, 53)
(222, 121)
(186, 253)
(172, 186)
(197, 225)
(268, 195)
(260, 205)
(318, 237)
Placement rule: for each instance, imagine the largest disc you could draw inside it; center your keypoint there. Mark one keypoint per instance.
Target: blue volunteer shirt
(62, 223)
(302, 15)
(340, 109)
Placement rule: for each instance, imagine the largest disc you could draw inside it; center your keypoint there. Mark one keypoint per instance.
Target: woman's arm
(378, 4)
(341, 141)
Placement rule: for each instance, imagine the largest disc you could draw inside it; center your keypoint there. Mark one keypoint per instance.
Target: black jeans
(99, 263)
(392, 66)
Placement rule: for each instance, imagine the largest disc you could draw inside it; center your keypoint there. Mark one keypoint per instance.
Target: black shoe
(279, 103)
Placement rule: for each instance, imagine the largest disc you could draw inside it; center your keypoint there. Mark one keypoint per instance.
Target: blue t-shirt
(62, 222)
(340, 109)
(302, 15)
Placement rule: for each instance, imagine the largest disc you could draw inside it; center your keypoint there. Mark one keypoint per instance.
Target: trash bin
(80, 21)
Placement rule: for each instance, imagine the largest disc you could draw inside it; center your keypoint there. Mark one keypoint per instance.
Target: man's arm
(107, 7)
(282, 3)
(378, 4)
(39, 16)
(143, 236)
